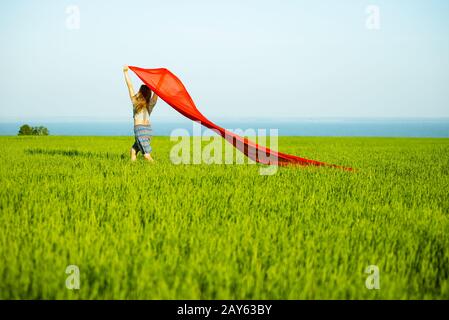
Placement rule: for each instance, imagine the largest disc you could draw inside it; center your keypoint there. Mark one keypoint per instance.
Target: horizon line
(233, 119)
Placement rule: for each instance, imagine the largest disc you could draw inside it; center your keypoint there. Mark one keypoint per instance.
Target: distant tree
(25, 130)
(44, 131)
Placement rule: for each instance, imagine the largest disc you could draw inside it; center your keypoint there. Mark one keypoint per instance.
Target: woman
(143, 104)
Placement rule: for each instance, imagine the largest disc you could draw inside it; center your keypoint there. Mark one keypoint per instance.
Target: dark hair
(143, 97)
(146, 92)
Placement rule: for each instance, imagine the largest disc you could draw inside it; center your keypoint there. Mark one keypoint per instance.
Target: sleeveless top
(144, 114)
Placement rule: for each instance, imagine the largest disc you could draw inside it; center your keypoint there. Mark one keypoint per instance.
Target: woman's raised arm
(128, 82)
(153, 99)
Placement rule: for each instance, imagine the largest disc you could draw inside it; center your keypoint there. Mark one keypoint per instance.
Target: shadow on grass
(74, 153)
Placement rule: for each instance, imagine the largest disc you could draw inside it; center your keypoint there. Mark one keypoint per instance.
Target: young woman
(143, 104)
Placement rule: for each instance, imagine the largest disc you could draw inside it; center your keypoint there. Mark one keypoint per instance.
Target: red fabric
(169, 88)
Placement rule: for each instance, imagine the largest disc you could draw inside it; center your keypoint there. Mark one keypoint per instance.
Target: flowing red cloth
(169, 88)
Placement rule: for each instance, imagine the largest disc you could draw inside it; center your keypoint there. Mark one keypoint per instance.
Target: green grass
(165, 231)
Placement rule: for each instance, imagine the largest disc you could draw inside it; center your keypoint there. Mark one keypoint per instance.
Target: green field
(165, 231)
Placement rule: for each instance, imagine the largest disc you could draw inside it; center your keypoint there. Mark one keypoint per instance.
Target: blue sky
(238, 59)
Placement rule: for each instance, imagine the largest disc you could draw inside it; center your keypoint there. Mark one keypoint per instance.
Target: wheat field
(165, 231)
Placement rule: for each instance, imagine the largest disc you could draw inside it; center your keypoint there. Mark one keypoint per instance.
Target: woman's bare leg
(133, 154)
(148, 157)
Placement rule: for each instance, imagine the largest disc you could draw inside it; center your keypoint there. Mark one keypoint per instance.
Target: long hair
(142, 98)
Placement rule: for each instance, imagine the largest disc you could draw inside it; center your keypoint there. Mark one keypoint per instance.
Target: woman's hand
(125, 68)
